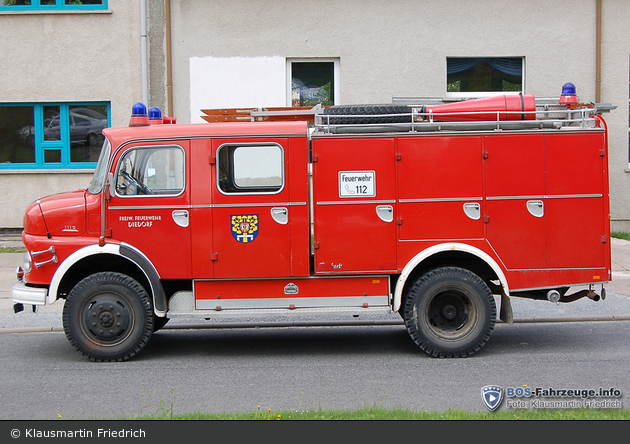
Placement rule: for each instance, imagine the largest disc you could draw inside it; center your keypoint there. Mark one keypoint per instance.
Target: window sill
(56, 11)
(47, 171)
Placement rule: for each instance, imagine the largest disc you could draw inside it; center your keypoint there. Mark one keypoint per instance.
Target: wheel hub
(107, 318)
(448, 312)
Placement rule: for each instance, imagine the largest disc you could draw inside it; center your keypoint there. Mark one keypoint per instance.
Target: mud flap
(505, 313)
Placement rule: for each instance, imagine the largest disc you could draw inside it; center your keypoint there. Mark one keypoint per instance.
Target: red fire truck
(430, 211)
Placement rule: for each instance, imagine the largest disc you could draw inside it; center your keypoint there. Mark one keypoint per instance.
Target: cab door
(251, 217)
(149, 208)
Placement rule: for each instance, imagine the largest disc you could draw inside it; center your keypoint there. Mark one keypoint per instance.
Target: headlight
(28, 262)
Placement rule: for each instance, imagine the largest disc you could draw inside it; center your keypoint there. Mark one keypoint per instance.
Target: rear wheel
(108, 317)
(450, 312)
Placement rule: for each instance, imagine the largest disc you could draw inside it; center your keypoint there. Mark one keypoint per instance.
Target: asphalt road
(303, 369)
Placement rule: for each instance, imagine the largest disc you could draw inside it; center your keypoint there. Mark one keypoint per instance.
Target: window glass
(87, 123)
(28, 132)
(251, 168)
(151, 171)
(312, 83)
(52, 123)
(17, 134)
(52, 156)
(487, 74)
(100, 173)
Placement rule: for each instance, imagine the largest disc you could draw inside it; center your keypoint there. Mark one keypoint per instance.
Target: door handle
(385, 213)
(180, 217)
(536, 208)
(280, 215)
(472, 210)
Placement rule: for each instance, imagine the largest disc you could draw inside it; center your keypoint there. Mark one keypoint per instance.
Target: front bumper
(22, 294)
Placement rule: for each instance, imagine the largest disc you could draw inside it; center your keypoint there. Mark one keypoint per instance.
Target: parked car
(86, 127)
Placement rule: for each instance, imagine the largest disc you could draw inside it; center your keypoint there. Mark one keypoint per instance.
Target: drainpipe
(169, 65)
(143, 41)
(598, 53)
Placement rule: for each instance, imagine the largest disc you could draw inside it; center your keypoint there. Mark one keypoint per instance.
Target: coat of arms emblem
(245, 227)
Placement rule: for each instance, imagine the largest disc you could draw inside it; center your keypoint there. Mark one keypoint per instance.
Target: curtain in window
(507, 65)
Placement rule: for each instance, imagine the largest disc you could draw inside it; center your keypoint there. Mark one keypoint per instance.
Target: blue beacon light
(138, 110)
(139, 115)
(568, 94)
(155, 115)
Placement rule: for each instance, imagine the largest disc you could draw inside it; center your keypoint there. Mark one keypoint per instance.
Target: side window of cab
(250, 168)
(151, 171)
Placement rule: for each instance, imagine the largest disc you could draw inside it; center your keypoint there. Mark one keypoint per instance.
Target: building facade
(67, 70)
(257, 53)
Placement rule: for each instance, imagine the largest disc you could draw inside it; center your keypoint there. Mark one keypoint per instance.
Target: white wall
(233, 82)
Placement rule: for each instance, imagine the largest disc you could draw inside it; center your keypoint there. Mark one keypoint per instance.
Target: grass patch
(12, 250)
(621, 235)
(382, 414)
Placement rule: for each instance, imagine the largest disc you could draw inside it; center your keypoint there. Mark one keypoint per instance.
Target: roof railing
(546, 116)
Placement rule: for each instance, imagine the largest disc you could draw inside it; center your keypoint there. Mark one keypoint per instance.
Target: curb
(30, 330)
(234, 325)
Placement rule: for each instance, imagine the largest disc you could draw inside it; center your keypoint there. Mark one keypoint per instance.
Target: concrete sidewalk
(616, 306)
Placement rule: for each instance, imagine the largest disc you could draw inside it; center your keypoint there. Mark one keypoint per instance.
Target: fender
(138, 258)
(453, 246)
(75, 257)
(125, 250)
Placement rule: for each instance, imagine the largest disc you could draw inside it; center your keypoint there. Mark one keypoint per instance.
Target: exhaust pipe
(593, 296)
(579, 295)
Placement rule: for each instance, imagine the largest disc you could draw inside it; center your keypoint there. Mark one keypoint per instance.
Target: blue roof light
(568, 89)
(139, 110)
(155, 113)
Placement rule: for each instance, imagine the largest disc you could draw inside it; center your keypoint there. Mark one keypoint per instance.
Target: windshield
(98, 180)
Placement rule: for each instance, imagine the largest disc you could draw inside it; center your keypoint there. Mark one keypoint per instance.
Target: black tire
(450, 312)
(108, 317)
(366, 114)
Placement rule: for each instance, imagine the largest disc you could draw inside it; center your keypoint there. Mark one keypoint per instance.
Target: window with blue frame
(52, 4)
(52, 135)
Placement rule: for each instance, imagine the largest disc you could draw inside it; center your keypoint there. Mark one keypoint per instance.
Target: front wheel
(108, 317)
(450, 312)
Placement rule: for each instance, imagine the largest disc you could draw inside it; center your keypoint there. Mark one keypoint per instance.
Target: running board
(264, 312)
(182, 305)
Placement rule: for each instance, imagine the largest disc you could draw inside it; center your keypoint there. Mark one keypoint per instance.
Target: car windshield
(98, 180)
